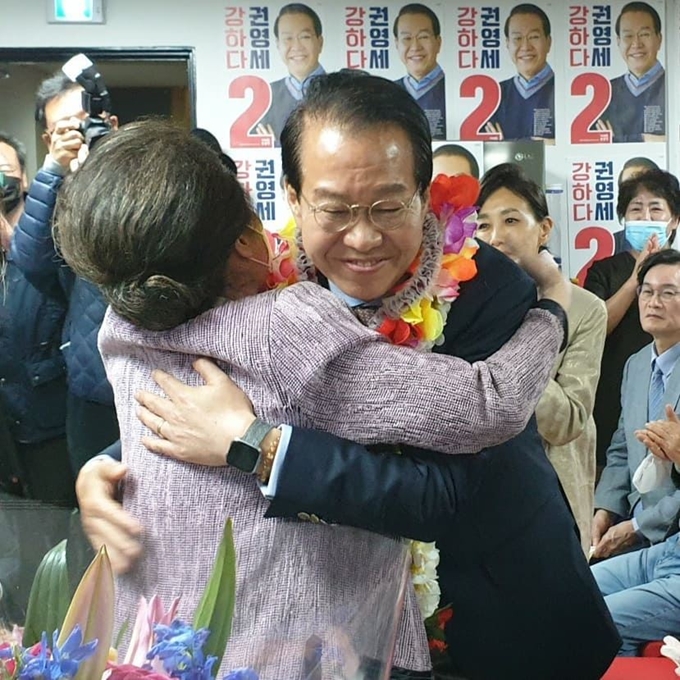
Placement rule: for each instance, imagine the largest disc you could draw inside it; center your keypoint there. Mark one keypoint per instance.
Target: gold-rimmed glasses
(336, 216)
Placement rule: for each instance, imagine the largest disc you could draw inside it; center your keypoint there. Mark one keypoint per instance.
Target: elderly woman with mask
(649, 208)
(513, 217)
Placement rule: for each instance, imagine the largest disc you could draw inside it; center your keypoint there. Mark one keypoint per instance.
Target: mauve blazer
(303, 359)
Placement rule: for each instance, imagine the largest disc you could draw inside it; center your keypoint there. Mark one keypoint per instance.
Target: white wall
(17, 97)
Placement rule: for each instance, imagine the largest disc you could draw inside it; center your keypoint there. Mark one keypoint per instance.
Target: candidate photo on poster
(417, 33)
(637, 109)
(299, 40)
(527, 105)
(454, 159)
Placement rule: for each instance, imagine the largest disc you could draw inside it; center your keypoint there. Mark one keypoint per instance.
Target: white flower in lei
(424, 563)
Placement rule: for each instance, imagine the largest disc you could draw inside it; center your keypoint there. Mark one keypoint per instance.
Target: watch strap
(257, 431)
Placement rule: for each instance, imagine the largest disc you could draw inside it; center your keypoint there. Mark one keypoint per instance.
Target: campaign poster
(265, 74)
(583, 81)
(259, 172)
(458, 158)
(616, 75)
(404, 43)
(592, 193)
(505, 82)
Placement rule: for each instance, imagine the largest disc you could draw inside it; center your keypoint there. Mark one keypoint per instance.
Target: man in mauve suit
(524, 602)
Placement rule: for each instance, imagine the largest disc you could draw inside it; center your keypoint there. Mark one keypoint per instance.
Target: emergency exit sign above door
(75, 11)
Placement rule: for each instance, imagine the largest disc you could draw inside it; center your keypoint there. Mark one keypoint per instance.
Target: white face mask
(638, 232)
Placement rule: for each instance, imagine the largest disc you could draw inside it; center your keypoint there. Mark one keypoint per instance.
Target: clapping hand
(662, 437)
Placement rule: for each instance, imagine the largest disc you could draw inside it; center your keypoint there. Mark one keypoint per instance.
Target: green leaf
(92, 609)
(49, 598)
(216, 608)
(123, 629)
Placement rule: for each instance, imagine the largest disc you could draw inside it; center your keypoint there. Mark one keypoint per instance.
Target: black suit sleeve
(344, 483)
(491, 307)
(112, 450)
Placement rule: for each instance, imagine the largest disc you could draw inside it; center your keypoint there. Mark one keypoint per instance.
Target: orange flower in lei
(422, 324)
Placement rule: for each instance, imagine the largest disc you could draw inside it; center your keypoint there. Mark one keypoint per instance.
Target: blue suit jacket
(525, 604)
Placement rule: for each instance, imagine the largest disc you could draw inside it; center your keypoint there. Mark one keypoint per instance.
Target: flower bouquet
(161, 646)
(338, 643)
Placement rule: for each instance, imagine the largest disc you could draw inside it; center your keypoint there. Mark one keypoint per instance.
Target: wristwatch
(244, 453)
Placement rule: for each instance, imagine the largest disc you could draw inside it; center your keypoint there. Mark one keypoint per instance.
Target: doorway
(142, 82)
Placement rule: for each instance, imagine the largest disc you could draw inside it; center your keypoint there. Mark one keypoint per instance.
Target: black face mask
(10, 192)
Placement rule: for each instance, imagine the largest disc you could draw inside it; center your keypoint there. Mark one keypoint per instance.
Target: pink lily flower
(148, 615)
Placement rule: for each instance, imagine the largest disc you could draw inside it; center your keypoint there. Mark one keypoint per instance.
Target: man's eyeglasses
(385, 215)
(646, 293)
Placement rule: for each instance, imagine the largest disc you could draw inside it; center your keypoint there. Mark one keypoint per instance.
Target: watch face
(243, 456)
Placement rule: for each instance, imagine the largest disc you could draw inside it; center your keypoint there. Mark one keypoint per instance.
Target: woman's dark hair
(209, 138)
(511, 177)
(657, 182)
(151, 218)
(357, 101)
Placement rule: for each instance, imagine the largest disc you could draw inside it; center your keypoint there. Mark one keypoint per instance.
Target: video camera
(96, 98)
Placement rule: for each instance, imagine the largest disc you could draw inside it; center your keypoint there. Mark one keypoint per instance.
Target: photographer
(36, 483)
(91, 422)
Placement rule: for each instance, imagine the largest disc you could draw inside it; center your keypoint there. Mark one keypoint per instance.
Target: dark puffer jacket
(34, 253)
(32, 369)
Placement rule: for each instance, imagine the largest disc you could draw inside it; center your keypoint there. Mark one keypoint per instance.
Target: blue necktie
(656, 389)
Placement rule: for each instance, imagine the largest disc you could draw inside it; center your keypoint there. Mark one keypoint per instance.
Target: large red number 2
(604, 241)
(240, 134)
(470, 129)
(601, 95)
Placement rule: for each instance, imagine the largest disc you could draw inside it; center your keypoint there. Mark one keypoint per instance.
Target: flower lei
(414, 313)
